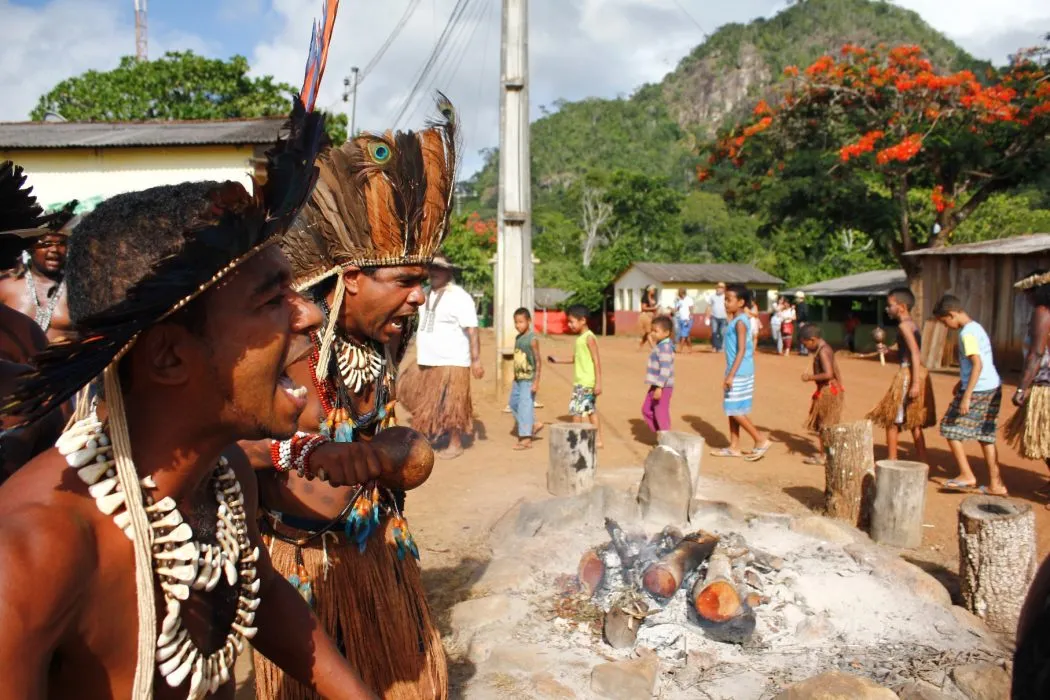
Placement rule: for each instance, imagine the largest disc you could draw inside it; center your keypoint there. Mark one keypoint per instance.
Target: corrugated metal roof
(549, 297)
(705, 272)
(862, 284)
(1016, 245)
(147, 133)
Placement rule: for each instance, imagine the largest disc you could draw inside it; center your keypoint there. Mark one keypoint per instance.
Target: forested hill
(654, 131)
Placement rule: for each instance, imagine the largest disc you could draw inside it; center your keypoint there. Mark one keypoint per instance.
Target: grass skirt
(374, 606)
(917, 413)
(826, 407)
(438, 399)
(1029, 429)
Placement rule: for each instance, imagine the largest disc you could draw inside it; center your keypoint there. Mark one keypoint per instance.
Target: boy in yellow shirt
(587, 371)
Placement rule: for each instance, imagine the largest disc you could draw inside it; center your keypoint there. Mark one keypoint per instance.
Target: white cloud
(578, 48)
(45, 45)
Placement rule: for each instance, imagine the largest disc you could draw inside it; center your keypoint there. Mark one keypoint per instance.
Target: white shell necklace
(179, 562)
(359, 365)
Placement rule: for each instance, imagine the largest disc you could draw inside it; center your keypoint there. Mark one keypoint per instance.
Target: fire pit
(738, 605)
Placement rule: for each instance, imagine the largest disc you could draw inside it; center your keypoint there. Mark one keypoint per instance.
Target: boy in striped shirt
(659, 376)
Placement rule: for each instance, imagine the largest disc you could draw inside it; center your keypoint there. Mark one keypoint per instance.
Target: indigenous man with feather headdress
(360, 249)
(132, 563)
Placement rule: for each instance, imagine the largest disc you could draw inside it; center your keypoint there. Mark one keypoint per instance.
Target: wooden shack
(982, 275)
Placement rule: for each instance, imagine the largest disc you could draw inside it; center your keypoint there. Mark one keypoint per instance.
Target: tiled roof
(705, 272)
(1015, 245)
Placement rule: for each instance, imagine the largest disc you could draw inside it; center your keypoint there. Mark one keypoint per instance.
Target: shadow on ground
(447, 586)
(809, 496)
(712, 436)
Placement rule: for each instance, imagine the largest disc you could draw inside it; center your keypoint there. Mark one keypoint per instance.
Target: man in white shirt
(447, 352)
(683, 319)
(716, 317)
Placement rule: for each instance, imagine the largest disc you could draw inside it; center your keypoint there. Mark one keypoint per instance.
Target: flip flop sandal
(816, 461)
(521, 446)
(960, 486)
(725, 452)
(759, 452)
(537, 430)
(1043, 492)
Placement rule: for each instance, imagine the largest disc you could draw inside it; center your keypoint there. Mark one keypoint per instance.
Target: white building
(91, 161)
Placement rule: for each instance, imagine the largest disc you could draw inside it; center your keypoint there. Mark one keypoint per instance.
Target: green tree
(178, 85)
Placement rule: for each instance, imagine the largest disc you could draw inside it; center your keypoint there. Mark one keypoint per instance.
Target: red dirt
(452, 513)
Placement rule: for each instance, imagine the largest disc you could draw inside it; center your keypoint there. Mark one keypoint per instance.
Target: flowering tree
(888, 117)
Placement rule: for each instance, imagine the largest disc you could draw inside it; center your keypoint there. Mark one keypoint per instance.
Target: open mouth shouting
(299, 349)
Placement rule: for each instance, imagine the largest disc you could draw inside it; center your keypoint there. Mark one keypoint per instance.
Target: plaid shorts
(582, 401)
(979, 423)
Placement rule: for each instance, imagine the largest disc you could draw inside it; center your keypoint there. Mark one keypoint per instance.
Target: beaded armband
(295, 452)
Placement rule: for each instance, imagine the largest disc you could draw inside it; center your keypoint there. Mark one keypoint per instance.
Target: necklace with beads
(180, 563)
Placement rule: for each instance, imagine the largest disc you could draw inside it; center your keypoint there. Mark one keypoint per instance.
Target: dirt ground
(452, 513)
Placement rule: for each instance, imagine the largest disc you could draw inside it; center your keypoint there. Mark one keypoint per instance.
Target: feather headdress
(380, 201)
(1034, 280)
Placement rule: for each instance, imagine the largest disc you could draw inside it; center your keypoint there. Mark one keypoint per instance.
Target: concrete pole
(513, 279)
(353, 104)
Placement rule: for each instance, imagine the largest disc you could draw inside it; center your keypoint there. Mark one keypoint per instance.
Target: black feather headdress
(236, 226)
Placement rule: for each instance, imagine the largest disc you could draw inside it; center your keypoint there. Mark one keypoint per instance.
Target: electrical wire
(460, 42)
(428, 66)
(407, 15)
(691, 18)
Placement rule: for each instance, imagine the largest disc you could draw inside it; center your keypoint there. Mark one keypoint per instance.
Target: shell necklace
(359, 364)
(180, 563)
(41, 313)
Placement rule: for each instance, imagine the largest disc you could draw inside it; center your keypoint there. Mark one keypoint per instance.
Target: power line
(409, 11)
(447, 66)
(439, 47)
(691, 18)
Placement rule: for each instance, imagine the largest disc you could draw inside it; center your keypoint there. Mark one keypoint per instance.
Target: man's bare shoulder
(47, 542)
(10, 286)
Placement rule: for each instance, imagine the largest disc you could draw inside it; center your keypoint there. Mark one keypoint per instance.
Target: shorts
(683, 326)
(583, 401)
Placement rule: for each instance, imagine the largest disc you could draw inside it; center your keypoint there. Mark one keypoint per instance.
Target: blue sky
(578, 48)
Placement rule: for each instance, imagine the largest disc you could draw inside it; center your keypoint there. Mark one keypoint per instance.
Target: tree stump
(997, 558)
(689, 446)
(900, 500)
(849, 472)
(573, 458)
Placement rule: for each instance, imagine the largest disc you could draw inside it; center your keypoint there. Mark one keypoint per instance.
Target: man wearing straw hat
(35, 286)
(448, 351)
(132, 558)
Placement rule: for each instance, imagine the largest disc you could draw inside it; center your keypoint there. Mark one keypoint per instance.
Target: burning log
(628, 548)
(723, 613)
(591, 572)
(664, 577)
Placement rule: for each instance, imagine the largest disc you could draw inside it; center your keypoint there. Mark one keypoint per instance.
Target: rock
(920, 690)
(558, 513)
(826, 529)
(502, 575)
(815, 628)
(970, 621)
(982, 681)
(620, 629)
(689, 446)
(545, 686)
(525, 658)
(471, 615)
(666, 490)
(631, 679)
(703, 510)
(834, 685)
(901, 573)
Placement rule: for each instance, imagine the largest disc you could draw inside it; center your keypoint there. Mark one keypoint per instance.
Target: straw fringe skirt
(438, 399)
(1029, 429)
(374, 606)
(826, 407)
(917, 413)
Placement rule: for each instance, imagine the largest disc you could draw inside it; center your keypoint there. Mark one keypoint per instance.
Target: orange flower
(902, 152)
(791, 71)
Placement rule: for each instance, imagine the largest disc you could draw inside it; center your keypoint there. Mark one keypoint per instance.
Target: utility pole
(350, 93)
(514, 287)
(141, 38)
